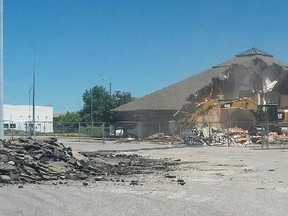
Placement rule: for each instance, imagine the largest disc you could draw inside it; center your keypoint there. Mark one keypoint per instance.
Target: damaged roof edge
(180, 91)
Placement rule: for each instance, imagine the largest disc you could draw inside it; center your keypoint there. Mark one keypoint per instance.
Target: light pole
(110, 94)
(30, 98)
(91, 107)
(1, 74)
(110, 86)
(45, 125)
(29, 112)
(20, 124)
(33, 100)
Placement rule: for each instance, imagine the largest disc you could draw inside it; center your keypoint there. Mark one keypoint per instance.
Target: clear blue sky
(139, 45)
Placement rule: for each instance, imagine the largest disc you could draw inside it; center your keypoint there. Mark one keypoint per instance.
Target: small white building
(20, 117)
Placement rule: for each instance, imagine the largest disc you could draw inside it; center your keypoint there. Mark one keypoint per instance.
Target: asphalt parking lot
(218, 181)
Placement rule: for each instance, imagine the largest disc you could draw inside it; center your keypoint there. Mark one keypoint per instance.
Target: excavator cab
(267, 118)
(267, 113)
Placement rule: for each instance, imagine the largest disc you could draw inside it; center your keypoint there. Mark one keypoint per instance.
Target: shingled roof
(173, 97)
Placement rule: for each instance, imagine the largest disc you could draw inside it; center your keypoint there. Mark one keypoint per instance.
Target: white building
(20, 117)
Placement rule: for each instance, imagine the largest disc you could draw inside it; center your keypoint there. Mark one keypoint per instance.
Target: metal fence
(24, 128)
(227, 133)
(80, 129)
(99, 130)
(236, 133)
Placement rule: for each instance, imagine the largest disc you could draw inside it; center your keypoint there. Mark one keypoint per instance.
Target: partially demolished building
(254, 74)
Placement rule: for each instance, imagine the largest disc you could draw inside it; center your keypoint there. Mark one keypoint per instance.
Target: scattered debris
(5, 178)
(247, 170)
(162, 138)
(26, 160)
(235, 136)
(181, 181)
(219, 174)
(100, 178)
(261, 188)
(128, 139)
(134, 182)
(170, 176)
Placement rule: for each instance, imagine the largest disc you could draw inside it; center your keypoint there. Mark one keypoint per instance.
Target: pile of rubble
(232, 137)
(26, 160)
(30, 161)
(278, 139)
(239, 136)
(213, 137)
(163, 138)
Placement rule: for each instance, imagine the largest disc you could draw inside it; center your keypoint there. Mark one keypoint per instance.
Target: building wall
(144, 123)
(19, 117)
(284, 101)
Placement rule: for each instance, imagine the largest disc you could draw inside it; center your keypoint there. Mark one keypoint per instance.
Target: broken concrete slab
(36, 161)
(5, 178)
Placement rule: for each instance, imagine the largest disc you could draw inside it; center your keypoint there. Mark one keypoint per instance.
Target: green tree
(97, 103)
(120, 98)
(69, 119)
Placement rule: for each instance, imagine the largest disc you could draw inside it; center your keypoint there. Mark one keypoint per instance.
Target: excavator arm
(243, 103)
(200, 111)
(213, 104)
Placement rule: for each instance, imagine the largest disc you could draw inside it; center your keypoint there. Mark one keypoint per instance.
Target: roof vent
(253, 51)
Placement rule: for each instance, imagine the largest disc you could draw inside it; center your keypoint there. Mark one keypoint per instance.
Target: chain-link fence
(227, 133)
(80, 129)
(25, 128)
(99, 130)
(236, 133)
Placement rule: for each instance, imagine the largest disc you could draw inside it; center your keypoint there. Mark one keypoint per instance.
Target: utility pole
(91, 107)
(110, 88)
(1, 74)
(33, 99)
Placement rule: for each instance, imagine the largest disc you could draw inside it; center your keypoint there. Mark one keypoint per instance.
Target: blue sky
(139, 45)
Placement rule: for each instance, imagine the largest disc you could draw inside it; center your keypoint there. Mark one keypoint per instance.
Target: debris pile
(208, 136)
(163, 138)
(122, 164)
(26, 160)
(32, 161)
(195, 136)
(232, 136)
(239, 136)
(278, 139)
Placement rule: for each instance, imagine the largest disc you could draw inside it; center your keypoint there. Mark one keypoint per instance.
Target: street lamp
(110, 85)
(1, 73)
(91, 107)
(29, 111)
(30, 98)
(110, 88)
(45, 125)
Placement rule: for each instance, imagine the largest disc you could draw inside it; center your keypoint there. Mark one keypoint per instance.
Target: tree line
(97, 103)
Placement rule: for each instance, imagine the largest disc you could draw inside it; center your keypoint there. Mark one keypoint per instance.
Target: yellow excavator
(213, 104)
(268, 113)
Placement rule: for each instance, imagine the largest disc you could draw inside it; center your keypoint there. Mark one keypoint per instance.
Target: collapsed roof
(250, 71)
